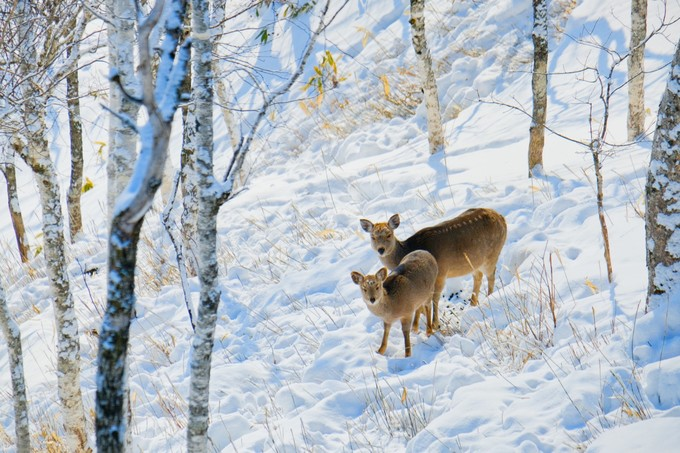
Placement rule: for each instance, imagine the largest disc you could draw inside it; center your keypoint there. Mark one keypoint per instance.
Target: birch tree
(159, 96)
(208, 207)
(43, 39)
(636, 69)
(662, 192)
(75, 221)
(539, 85)
(212, 195)
(12, 334)
(9, 172)
(427, 78)
(123, 91)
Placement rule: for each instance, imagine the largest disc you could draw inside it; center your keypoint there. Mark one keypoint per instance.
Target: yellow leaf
(88, 185)
(592, 286)
(386, 85)
(36, 309)
(101, 145)
(535, 188)
(403, 396)
(367, 35)
(303, 107)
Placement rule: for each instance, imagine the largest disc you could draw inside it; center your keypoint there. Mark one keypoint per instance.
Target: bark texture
(68, 358)
(539, 85)
(636, 68)
(75, 221)
(160, 99)
(122, 138)
(662, 218)
(427, 78)
(208, 207)
(15, 209)
(36, 154)
(12, 334)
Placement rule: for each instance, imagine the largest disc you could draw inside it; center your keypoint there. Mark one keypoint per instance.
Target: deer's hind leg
(490, 272)
(476, 284)
(438, 288)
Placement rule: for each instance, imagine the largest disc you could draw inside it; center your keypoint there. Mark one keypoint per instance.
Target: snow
(294, 362)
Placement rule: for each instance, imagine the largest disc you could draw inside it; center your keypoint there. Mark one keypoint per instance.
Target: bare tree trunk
(160, 98)
(599, 187)
(37, 156)
(636, 68)
(539, 85)
(190, 195)
(234, 135)
(12, 334)
(202, 345)
(75, 221)
(15, 209)
(434, 119)
(662, 218)
(122, 138)
(68, 357)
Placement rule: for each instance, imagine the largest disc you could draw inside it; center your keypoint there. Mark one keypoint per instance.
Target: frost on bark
(662, 218)
(208, 207)
(8, 170)
(160, 98)
(424, 60)
(12, 335)
(35, 152)
(122, 138)
(636, 68)
(539, 85)
(75, 221)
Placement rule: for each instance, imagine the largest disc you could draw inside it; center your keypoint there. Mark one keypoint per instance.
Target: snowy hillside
(294, 365)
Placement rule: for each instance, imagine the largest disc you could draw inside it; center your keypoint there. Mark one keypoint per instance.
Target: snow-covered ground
(294, 365)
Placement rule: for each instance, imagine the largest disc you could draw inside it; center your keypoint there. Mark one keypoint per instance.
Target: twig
(181, 265)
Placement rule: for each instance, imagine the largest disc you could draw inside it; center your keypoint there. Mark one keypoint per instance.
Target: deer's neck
(393, 259)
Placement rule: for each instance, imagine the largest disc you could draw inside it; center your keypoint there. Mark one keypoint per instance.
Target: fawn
(469, 243)
(401, 295)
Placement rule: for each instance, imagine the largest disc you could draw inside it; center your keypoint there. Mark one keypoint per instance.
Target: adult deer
(467, 244)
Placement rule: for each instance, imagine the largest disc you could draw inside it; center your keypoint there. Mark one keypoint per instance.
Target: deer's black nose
(372, 299)
(381, 250)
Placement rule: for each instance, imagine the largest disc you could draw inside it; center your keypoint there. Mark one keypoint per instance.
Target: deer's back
(412, 282)
(463, 243)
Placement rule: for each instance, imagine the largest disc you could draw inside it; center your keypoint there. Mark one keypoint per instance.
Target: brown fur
(467, 244)
(401, 295)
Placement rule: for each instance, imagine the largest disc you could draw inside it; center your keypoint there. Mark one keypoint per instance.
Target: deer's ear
(366, 225)
(394, 221)
(357, 277)
(382, 274)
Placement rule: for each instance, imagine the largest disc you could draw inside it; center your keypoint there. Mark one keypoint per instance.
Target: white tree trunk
(12, 334)
(37, 156)
(636, 68)
(160, 98)
(75, 221)
(662, 218)
(68, 347)
(539, 84)
(122, 138)
(424, 60)
(203, 341)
